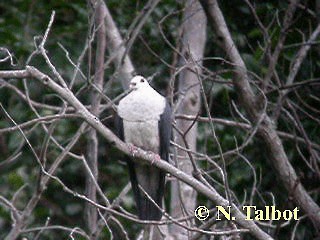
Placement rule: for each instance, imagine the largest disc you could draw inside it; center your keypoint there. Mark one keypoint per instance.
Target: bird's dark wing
(118, 123)
(165, 129)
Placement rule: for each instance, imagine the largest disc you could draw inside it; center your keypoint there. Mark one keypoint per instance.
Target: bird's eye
(142, 80)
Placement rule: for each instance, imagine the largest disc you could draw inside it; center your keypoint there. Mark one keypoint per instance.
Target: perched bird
(144, 121)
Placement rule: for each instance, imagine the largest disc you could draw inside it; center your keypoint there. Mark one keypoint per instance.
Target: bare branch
(142, 155)
(266, 130)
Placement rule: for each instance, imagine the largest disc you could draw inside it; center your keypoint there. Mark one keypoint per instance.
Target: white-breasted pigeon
(144, 121)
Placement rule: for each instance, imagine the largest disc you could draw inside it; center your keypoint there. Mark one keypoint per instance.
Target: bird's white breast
(140, 111)
(142, 134)
(142, 105)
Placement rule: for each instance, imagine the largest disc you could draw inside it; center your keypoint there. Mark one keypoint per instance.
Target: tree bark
(267, 129)
(116, 48)
(183, 200)
(91, 215)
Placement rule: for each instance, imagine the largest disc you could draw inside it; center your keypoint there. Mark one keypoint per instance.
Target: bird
(144, 121)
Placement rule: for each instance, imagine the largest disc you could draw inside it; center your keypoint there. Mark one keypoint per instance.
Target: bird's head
(138, 82)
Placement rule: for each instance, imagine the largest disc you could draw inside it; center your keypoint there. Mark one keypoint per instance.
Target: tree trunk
(125, 69)
(91, 215)
(267, 129)
(183, 200)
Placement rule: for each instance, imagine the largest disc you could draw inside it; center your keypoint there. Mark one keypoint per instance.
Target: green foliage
(23, 22)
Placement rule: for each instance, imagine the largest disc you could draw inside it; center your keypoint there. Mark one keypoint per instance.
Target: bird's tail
(148, 188)
(148, 209)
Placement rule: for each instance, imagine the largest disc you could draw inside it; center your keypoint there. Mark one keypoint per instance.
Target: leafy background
(21, 24)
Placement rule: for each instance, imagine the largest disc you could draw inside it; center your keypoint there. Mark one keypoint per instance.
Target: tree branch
(125, 68)
(148, 158)
(266, 130)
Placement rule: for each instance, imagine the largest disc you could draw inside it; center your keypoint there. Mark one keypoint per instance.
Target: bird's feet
(155, 157)
(133, 149)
